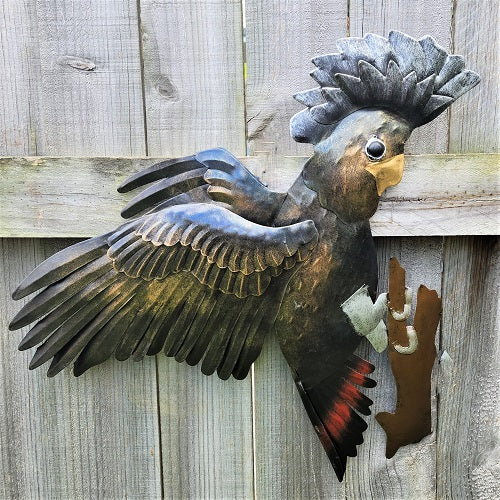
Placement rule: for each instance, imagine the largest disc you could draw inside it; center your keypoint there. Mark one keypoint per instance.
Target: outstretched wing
(196, 280)
(221, 249)
(211, 175)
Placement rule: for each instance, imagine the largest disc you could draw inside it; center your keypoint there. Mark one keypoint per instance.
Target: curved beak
(387, 173)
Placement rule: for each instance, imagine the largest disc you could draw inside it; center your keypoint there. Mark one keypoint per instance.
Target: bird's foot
(366, 316)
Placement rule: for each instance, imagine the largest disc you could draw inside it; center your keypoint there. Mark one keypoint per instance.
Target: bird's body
(216, 262)
(343, 260)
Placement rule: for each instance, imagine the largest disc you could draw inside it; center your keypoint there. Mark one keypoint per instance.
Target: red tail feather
(337, 419)
(363, 366)
(350, 394)
(331, 405)
(359, 379)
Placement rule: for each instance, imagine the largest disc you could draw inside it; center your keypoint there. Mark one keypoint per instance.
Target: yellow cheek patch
(387, 173)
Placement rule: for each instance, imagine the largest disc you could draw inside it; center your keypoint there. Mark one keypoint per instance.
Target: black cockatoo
(217, 261)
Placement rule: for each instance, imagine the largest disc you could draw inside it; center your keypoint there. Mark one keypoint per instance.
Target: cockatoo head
(371, 95)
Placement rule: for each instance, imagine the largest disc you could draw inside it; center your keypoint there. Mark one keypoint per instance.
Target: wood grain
(439, 194)
(411, 473)
(95, 436)
(282, 37)
(193, 75)
(475, 117)
(18, 78)
(194, 99)
(88, 87)
(72, 87)
(468, 432)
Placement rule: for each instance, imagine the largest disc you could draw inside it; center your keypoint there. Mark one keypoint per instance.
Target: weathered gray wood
(468, 432)
(439, 194)
(425, 17)
(281, 39)
(194, 98)
(95, 436)
(281, 419)
(290, 461)
(193, 75)
(475, 118)
(72, 86)
(206, 433)
(84, 77)
(292, 468)
(18, 78)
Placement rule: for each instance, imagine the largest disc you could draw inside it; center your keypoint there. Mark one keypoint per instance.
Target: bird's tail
(332, 405)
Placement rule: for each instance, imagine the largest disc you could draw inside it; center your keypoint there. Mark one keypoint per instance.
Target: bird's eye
(375, 149)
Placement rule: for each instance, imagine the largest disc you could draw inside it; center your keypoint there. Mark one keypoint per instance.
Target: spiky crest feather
(416, 79)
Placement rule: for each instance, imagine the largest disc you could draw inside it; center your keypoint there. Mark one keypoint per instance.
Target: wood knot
(167, 89)
(78, 63)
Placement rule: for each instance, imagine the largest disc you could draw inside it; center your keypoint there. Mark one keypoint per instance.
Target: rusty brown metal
(412, 419)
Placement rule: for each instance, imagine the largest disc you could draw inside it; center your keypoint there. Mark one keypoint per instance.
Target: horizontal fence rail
(448, 194)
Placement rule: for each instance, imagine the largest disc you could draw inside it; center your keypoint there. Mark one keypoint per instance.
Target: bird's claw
(412, 342)
(403, 315)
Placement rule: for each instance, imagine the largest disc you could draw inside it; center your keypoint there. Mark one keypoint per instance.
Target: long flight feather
(60, 265)
(59, 292)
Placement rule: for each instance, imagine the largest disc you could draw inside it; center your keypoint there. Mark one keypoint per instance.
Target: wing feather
(214, 175)
(47, 300)
(64, 311)
(60, 265)
(70, 328)
(147, 305)
(71, 349)
(202, 237)
(173, 305)
(203, 340)
(197, 327)
(163, 190)
(184, 320)
(217, 347)
(103, 345)
(237, 340)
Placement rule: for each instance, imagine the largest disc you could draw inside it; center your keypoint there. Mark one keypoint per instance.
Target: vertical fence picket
(413, 18)
(73, 88)
(467, 438)
(194, 99)
(282, 37)
(402, 475)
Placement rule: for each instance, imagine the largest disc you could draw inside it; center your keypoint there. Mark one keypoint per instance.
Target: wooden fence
(163, 78)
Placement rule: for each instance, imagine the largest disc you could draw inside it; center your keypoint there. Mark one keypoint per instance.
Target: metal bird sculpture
(217, 261)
